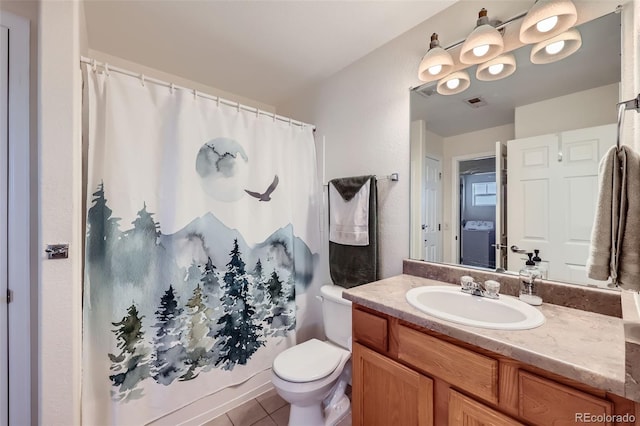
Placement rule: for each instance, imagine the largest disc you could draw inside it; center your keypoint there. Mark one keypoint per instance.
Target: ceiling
(595, 64)
(262, 50)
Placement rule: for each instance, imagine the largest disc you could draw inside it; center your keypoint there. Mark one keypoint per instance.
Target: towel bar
(394, 177)
(622, 107)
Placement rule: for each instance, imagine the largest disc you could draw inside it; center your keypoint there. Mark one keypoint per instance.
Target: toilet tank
(336, 315)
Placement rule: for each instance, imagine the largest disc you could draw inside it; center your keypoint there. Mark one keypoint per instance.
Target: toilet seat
(308, 361)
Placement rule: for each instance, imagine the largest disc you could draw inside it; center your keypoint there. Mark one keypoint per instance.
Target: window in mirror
(484, 193)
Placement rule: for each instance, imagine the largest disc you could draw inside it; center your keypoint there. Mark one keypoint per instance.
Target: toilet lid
(308, 361)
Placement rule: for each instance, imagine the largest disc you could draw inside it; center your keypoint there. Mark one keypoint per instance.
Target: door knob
(517, 249)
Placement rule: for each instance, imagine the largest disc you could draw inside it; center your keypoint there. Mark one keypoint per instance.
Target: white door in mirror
(552, 193)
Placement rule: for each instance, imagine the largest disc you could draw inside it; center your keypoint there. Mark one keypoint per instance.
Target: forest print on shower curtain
(202, 237)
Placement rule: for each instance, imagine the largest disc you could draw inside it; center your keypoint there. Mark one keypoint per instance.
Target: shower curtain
(202, 236)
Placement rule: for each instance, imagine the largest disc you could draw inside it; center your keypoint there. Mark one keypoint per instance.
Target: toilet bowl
(312, 376)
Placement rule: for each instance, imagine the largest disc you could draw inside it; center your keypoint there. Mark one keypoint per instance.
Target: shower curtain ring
(218, 101)
(195, 94)
(238, 107)
(142, 79)
(106, 69)
(172, 88)
(94, 65)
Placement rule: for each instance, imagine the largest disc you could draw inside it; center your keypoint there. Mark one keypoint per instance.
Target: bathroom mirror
(510, 166)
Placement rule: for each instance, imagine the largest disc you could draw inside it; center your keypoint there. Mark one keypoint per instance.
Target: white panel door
(577, 196)
(4, 143)
(552, 191)
(431, 229)
(530, 207)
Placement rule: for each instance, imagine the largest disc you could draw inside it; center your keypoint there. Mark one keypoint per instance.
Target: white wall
(434, 144)
(60, 212)
(630, 84)
(467, 144)
(588, 108)
(364, 113)
(177, 80)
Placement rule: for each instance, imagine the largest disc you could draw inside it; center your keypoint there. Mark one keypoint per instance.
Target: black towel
(351, 266)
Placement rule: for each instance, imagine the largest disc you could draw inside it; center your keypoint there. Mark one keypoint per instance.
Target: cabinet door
(464, 411)
(388, 393)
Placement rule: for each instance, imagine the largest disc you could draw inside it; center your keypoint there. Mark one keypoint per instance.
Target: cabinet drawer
(460, 367)
(370, 329)
(465, 411)
(545, 402)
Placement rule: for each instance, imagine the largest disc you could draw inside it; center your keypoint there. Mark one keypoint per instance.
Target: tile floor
(267, 409)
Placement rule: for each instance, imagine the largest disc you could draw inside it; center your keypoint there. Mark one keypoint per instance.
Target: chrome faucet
(477, 288)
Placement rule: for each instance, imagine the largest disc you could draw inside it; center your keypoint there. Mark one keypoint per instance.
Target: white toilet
(313, 375)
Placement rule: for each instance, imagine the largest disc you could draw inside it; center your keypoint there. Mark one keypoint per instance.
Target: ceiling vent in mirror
(475, 102)
(426, 90)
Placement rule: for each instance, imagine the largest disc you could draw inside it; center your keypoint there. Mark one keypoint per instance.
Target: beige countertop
(631, 316)
(579, 345)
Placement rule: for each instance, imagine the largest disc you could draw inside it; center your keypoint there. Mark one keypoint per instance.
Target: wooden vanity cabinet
(405, 375)
(388, 392)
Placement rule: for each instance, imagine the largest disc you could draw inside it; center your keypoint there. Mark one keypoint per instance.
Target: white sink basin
(451, 304)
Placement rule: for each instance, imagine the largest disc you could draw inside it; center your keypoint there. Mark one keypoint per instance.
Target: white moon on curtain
(223, 168)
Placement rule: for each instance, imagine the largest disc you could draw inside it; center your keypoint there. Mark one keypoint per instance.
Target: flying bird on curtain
(266, 195)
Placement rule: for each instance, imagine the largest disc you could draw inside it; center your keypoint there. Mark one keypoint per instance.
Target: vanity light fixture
(484, 43)
(497, 68)
(436, 63)
(556, 48)
(454, 83)
(547, 19)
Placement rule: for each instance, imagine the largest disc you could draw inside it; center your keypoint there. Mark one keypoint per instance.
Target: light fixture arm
(434, 41)
(498, 27)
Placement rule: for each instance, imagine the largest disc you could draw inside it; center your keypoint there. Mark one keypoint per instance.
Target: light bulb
(434, 70)
(554, 48)
(547, 24)
(453, 83)
(496, 69)
(481, 50)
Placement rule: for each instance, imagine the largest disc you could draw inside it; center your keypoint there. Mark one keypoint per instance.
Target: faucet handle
(492, 288)
(467, 282)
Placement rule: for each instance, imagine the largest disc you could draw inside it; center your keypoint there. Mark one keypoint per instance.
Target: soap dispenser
(528, 284)
(541, 266)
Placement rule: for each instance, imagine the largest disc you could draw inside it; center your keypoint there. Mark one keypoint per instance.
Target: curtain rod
(108, 68)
